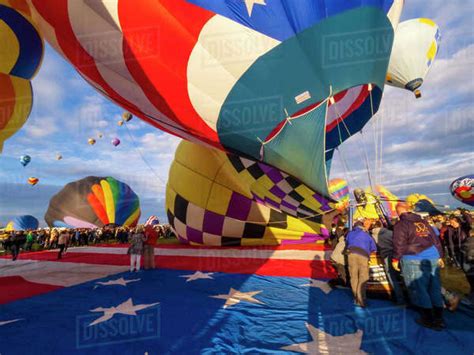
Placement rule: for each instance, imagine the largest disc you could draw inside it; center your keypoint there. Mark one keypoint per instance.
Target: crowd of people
(413, 250)
(62, 238)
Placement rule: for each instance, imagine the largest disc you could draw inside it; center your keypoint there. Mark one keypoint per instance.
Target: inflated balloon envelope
(306, 62)
(21, 53)
(220, 199)
(94, 202)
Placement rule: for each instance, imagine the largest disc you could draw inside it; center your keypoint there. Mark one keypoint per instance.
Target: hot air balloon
(20, 58)
(339, 190)
(22, 223)
(422, 203)
(33, 181)
(100, 135)
(120, 123)
(127, 116)
(217, 199)
(91, 141)
(59, 157)
(414, 50)
(269, 103)
(462, 189)
(388, 200)
(25, 160)
(94, 202)
(115, 142)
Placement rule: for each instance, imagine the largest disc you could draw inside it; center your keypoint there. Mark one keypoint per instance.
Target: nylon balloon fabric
(23, 223)
(241, 99)
(94, 202)
(462, 189)
(217, 199)
(21, 54)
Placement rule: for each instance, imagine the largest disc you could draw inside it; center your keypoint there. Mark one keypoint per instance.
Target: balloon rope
(366, 156)
(143, 157)
(346, 168)
(381, 147)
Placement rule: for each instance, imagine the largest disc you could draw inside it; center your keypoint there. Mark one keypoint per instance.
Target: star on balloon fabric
(234, 297)
(198, 275)
(324, 343)
(250, 4)
(5, 322)
(127, 308)
(119, 282)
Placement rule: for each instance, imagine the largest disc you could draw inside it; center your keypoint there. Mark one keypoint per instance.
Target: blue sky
(427, 142)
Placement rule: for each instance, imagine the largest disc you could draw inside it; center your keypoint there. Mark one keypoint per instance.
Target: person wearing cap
(359, 246)
(420, 253)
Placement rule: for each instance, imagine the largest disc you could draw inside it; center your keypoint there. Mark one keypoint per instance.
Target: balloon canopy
(94, 202)
(217, 199)
(127, 116)
(422, 203)
(462, 189)
(22, 223)
(414, 50)
(33, 181)
(288, 101)
(115, 142)
(91, 141)
(25, 160)
(339, 190)
(20, 57)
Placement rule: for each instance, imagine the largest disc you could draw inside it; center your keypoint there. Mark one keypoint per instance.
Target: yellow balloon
(209, 201)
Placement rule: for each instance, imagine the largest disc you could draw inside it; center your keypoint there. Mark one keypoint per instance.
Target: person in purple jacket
(359, 246)
(419, 249)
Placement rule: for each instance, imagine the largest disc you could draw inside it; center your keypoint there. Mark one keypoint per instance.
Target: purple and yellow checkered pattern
(219, 199)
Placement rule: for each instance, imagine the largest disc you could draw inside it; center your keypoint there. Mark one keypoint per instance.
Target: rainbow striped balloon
(339, 190)
(389, 200)
(94, 202)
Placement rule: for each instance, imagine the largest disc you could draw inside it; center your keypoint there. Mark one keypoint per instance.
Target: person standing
(63, 241)
(455, 238)
(339, 262)
(418, 249)
(136, 248)
(359, 246)
(384, 240)
(18, 239)
(29, 240)
(151, 237)
(468, 264)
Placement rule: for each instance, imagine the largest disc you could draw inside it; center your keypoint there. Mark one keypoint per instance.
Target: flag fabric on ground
(98, 307)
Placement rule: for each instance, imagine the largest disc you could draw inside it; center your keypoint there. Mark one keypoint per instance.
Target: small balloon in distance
(127, 116)
(91, 141)
(115, 141)
(33, 181)
(59, 157)
(25, 160)
(120, 123)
